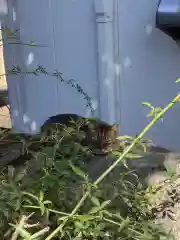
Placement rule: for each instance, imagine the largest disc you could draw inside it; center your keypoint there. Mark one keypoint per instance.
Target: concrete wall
(111, 48)
(67, 30)
(150, 64)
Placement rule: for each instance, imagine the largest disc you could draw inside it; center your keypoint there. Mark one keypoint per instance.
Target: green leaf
(157, 110)
(147, 104)
(42, 208)
(77, 170)
(62, 218)
(91, 119)
(150, 113)
(38, 234)
(41, 196)
(105, 203)
(118, 215)
(78, 225)
(18, 205)
(31, 42)
(177, 80)
(31, 206)
(124, 224)
(30, 195)
(11, 172)
(94, 210)
(47, 202)
(27, 200)
(48, 151)
(95, 201)
(84, 217)
(125, 137)
(61, 166)
(133, 156)
(101, 226)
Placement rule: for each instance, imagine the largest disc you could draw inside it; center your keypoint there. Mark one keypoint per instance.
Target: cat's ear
(115, 126)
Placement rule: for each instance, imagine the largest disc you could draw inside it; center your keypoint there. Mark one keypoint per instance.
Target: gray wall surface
(150, 64)
(111, 48)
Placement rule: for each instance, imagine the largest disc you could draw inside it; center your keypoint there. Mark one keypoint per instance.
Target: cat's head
(113, 128)
(112, 131)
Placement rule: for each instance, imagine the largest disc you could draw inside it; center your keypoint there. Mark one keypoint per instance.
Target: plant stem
(125, 152)
(119, 224)
(19, 226)
(40, 233)
(145, 130)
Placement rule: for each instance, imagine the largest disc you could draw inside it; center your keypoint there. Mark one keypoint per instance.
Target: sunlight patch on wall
(14, 15)
(3, 7)
(105, 58)
(127, 62)
(26, 119)
(33, 126)
(117, 69)
(107, 81)
(148, 29)
(30, 58)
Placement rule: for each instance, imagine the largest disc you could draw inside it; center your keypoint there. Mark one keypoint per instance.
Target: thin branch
(24, 44)
(16, 70)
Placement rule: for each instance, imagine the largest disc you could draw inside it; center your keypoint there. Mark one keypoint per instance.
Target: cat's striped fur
(98, 135)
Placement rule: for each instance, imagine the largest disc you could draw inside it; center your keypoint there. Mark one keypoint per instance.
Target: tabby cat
(96, 134)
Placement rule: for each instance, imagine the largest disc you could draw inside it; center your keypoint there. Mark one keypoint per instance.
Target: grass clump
(39, 196)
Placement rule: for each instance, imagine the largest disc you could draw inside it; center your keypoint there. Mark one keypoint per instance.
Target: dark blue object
(168, 18)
